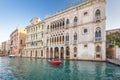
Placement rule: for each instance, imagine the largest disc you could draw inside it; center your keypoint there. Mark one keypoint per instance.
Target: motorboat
(11, 56)
(54, 61)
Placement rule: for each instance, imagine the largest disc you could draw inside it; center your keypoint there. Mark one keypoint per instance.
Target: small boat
(55, 62)
(11, 56)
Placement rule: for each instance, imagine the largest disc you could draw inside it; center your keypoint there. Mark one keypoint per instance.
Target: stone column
(53, 53)
(33, 53)
(64, 52)
(59, 53)
(71, 52)
(44, 51)
(49, 52)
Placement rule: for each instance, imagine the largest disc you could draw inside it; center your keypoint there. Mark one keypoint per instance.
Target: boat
(11, 56)
(54, 61)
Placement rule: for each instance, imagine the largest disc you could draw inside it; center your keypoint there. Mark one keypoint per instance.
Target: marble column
(59, 53)
(64, 52)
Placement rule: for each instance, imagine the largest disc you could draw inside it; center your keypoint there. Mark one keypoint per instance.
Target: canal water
(40, 69)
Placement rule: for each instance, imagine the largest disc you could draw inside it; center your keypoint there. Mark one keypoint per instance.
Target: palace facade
(17, 38)
(35, 39)
(77, 32)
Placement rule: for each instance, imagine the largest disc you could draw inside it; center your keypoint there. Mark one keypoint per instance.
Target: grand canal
(40, 69)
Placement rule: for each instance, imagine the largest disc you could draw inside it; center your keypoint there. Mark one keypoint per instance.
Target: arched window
(67, 21)
(97, 14)
(57, 39)
(57, 25)
(51, 27)
(98, 49)
(52, 40)
(41, 52)
(75, 49)
(54, 25)
(67, 37)
(60, 23)
(98, 33)
(63, 23)
(75, 19)
(62, 38)
(75, 36)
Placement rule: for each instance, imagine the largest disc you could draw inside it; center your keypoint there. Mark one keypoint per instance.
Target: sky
(15, 13)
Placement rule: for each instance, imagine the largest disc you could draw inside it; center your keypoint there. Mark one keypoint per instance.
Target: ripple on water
(40, 69)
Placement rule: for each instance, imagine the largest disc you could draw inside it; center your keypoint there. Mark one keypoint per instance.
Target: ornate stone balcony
(75, 42)
(67, 43)
(98, 39)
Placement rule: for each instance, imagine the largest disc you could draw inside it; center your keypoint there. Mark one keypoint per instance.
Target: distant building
(112, 35)
(113, 43)
(6, 47)
(77, 32)
(18, 38)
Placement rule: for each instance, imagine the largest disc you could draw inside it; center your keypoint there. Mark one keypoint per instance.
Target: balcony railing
(75, 24)
(97, 18)
(67, 42)
(97, 39)
(75, 42)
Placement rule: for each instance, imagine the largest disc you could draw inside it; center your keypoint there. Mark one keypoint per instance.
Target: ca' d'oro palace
(76, 32)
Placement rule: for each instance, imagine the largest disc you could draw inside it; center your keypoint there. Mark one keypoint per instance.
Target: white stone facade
(77, 32)
(34, 39)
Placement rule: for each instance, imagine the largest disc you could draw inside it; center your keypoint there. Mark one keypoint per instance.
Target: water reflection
(40, 69)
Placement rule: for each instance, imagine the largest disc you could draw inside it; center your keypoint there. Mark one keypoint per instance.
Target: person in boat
(56, 59)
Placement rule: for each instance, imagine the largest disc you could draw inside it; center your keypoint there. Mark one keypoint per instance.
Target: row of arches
(35, 53)
(60, 24)
(35, 28)
(61, 39)
(62, 52)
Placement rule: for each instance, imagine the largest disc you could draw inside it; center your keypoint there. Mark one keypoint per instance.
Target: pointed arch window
(67, 37)
(67, 21)
(57, 25)
(60, 23)
(98, 49)
(98, 33)
(63, 23)
(75, 49)
(75, 19)
(97, 14)
(75, 36)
